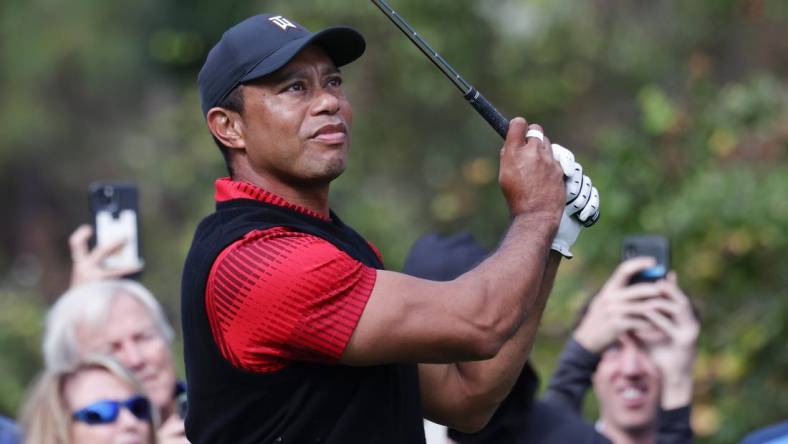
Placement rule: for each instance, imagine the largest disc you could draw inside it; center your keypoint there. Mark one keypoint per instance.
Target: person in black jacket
(636, 344)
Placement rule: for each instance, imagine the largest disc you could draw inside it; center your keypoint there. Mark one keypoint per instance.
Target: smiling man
(636, 345)
(293, 332)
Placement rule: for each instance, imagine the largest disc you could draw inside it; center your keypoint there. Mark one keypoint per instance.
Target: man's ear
(227, 126)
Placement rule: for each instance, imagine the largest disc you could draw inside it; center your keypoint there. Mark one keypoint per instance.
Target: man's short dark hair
(233, 102)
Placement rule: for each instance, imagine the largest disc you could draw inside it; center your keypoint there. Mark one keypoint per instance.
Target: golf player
(293, 331)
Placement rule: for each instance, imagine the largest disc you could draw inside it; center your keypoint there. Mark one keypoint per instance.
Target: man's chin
(335, 172)
(637, 424)
(328, 173)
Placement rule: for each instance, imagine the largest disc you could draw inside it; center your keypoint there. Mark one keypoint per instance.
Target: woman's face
(91, 386)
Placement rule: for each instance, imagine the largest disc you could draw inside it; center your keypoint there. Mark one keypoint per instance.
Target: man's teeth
(631, 393)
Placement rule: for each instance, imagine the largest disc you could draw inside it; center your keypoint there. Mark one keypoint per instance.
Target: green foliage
(20, 331)
(677, 110)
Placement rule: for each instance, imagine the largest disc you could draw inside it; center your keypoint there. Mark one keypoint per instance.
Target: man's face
(297, 121)
(627, 384)
(130, 335)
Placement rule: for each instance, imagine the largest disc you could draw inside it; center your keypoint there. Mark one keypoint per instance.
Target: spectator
(9, 431)
(96, 402)
(774, 434)
(636, 344)
(122, 318)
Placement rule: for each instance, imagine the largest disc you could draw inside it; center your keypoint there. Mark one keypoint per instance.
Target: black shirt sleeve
(522, 420)
(675, 426)
(572, 379)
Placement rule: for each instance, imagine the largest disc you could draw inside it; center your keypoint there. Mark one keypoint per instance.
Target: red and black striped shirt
(278, 296)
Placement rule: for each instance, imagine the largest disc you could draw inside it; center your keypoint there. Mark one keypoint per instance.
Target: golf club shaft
(499, 123)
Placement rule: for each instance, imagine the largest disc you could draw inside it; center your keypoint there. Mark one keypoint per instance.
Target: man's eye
(335, 81)
(298, 86)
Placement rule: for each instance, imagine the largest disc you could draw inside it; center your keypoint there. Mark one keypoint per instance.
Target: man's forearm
(508, 283)
(490, 381)
(497, 375)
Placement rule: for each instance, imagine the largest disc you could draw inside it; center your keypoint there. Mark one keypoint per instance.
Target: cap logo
(281, 22)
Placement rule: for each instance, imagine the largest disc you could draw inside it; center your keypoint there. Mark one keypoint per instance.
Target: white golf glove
(582, 202)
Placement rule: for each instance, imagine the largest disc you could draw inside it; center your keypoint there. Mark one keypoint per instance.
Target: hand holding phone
(116, 224)
(87, 263)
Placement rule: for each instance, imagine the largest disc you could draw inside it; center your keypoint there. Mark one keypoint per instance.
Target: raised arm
(408, 319)
(464, 395)
(490, 311)
(675, 356)
(571, 379)
(468, 393)
(614, 310)
(88, 265)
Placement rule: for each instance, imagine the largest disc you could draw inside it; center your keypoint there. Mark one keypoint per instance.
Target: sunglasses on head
(107, 411)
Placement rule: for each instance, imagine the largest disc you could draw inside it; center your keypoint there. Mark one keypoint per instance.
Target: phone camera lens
(106, 196)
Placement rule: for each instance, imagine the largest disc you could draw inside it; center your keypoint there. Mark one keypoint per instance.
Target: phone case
(654, 246)
(116, 216)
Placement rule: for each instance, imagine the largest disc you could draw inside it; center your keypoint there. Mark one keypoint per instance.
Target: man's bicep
(277, 297)
(408, 319)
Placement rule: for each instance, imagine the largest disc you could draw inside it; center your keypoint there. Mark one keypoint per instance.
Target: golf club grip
(499, 123)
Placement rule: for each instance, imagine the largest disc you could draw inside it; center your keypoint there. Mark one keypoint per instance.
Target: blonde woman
(97, 402)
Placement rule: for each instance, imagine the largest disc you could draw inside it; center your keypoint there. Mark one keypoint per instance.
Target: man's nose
(326, 102)
(632, 362)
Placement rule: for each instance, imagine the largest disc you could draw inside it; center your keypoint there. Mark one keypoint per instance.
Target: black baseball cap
(262, 44)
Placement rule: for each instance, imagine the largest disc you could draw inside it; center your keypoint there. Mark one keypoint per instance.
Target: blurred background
(678, 111)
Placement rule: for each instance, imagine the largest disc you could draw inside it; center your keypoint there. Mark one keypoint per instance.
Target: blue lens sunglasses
(107, 411)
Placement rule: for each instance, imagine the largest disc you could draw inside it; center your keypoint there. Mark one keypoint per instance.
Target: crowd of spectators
(109, 373)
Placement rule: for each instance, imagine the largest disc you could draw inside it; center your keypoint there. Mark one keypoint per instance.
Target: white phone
(116, 216)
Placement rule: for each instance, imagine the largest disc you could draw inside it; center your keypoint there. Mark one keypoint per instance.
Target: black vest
(302, 403)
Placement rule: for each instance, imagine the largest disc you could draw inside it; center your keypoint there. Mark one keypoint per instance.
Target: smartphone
(116, 216)
(654, 246)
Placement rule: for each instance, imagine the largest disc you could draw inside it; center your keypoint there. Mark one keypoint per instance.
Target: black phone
(654, 246)
(115, 210)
